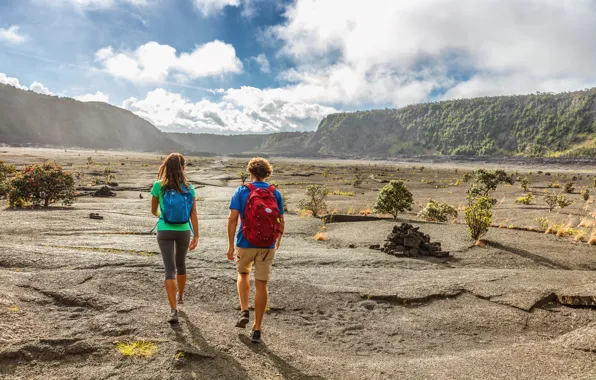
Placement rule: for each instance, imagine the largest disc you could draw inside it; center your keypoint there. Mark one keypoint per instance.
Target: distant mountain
(29, 118)
(530, 125)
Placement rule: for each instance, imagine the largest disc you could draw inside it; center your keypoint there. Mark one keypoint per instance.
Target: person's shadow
(286, 370)
(195, 357)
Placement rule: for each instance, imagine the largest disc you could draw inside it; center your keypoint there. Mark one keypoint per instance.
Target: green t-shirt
(161, 225)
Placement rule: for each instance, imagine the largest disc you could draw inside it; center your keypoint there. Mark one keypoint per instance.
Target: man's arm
(282, 225)
(232, 225)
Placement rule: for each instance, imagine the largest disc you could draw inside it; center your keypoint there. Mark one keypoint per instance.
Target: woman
(174, 237)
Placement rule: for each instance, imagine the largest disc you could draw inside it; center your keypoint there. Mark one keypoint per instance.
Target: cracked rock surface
(73, 287)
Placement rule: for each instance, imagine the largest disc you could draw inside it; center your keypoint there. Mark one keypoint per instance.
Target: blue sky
(237, 66)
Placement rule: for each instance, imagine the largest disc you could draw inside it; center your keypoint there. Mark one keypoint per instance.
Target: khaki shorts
(261, 257)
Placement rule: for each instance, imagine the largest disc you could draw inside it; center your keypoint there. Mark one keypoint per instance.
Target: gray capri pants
(174, 247)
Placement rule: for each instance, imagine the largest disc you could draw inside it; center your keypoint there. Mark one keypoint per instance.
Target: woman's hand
(193, 243)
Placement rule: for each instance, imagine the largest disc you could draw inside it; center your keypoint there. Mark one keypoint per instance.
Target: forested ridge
(540, 124)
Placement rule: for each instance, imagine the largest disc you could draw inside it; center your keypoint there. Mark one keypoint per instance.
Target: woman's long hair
(171, 173)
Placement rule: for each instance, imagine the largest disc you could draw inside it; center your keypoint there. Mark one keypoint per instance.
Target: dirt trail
(73, 287)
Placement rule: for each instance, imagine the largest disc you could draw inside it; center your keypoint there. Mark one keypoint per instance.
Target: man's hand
(230, 253)
(277, 244)
(193, 243)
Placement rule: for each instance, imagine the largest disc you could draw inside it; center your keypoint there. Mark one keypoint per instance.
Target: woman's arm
(155, 206)
(232, 224)
(194, 220)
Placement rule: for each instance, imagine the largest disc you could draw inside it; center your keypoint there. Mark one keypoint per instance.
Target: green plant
(107, 174)
(315, 199)
(138, 348)
(525, 200)
(394, 198)
(437, 211)
(486, 181)
(467, 177)
(554, 185)
(585, 194)
(243, 176)
(543, 223)
(569, 187)
(358, 178)
(5, 171)
(524, 183)
(478, 216)
(557, 201)
(42, 184)
(89, 161)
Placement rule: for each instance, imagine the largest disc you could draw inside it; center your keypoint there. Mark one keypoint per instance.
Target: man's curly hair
(259, 167)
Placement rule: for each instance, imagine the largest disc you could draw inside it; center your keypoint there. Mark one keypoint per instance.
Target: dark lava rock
(105, 191)
(407, 241)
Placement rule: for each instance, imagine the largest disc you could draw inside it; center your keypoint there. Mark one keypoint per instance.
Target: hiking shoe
(173, 316)
(180, 299)
(243, 319)
(255, 336)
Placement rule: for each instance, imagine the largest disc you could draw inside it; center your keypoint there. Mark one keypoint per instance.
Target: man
(260, 209)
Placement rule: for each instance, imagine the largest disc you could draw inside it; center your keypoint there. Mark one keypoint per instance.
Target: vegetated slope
(30, 118)
(533, 125)
(280, 143)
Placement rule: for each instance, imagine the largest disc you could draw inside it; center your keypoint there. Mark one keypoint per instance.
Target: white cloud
(263, 62)
(40, 89)
(95, 4)
(400, 51)
(4, 79)
(209, 7)
(11, 35)
(153, 62)
(244, 110)
(97, 97)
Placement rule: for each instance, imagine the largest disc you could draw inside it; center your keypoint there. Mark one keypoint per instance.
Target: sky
(262, 66)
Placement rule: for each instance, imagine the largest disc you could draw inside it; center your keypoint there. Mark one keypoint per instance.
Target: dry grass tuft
(138, 348)
(320, 236)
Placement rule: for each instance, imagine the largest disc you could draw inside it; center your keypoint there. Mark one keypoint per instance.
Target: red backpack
(261, 224)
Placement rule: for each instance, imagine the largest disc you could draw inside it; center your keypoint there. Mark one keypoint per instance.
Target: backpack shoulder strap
(251, 187)
(272, 189)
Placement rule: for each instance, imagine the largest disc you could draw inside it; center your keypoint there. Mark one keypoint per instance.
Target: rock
(407, 240)
(95, 215)
(368, 305)
(351, 246)
(375, 246)
(105, 191)
(140, 196)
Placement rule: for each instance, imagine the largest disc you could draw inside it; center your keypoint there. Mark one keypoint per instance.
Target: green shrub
(315, 199)
(585, 194)
(486, 181)
(554, 185)
(543, 223)
(436, 211)
(557, 201)
(42, 185)
(5, 171)
(525, 200)
(393, 199)
(243, 176)
(358, 178)
(524, 183)
(478, 216)
(569, 187)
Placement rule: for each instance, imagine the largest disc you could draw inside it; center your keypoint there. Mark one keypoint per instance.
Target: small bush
(5, 171)
(437, 211)
(524, 183)
(42, 185)
(585, 194)
(478, 216)
(139, 348)
(563, 201)
(358, 178)
(315, 199)
(525, 200)
(554, 185)
(569, 187)
(243, 176)
(393, 199)
(543, 223)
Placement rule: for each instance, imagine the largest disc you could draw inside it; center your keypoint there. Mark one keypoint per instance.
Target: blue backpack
(177, 206)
